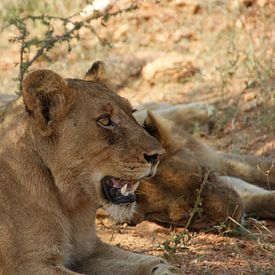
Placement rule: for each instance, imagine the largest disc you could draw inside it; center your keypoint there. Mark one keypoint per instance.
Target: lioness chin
(67, 146)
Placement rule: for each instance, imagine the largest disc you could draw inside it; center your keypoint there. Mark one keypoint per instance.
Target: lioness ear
(96, 72)
(151, 125)
(47, 99)
(159, 128)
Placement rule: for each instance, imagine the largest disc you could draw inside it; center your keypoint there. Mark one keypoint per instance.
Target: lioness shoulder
(67, 146)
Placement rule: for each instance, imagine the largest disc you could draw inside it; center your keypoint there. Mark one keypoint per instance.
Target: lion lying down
(66, 147)
(226, 183)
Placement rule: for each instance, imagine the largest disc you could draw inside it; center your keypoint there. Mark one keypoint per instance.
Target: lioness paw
(157, 266)
(165, 269)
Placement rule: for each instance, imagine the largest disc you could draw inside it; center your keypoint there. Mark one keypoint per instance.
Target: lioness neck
(19, 156)
(17, 138)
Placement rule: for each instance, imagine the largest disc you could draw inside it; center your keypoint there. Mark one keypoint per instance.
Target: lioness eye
(106, 122)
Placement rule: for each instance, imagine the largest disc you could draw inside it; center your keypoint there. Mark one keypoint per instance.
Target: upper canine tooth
(123, 190)
(135, 186)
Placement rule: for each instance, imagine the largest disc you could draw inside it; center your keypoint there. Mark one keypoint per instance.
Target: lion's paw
(165, 269)
(157, 266)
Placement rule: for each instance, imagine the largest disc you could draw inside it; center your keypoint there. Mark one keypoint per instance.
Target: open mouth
(119, 191)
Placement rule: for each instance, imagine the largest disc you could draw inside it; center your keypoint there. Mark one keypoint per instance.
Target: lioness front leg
(35, 268)
(183, 115)
(109, 260)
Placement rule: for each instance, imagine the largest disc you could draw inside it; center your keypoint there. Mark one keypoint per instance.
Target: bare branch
(50, 39)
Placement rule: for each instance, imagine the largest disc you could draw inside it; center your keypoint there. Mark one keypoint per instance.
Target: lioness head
(170, 196)
(87, 137)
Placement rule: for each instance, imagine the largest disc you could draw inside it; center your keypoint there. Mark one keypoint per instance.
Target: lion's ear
(47, 99)
(96, 72)
(159, 128)
(152, 126)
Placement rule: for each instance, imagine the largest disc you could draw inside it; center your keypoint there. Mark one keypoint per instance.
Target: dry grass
(233, 46)
(14, 8)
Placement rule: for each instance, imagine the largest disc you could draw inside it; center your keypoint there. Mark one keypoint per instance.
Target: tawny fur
(53, 155)
(170, 196)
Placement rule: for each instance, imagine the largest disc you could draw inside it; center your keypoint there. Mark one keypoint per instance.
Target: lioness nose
(153, 159)
(152, 155)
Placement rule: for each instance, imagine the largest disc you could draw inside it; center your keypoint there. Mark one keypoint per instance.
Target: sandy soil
(206, 51)
(205, 253)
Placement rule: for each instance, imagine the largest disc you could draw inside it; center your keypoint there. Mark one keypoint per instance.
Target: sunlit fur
(53, 156)
(190, 165)
(121, 213)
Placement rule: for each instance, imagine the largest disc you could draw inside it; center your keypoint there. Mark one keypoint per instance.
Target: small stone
(250, 105)
(146, 228)
(172, 67)
(249, 96)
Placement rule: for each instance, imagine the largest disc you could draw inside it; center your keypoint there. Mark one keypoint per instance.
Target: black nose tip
(153, 159)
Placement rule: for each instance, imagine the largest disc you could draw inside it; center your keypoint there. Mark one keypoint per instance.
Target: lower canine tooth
(135, 186)
(123, 190)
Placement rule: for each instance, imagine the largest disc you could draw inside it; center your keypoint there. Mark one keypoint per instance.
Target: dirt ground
(215, 52)
(205, 254)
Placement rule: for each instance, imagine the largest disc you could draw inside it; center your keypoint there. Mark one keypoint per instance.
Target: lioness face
(92, 136)
(118, 152)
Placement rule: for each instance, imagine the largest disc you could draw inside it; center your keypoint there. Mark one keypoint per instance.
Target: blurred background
(216, 52)
(181, 51)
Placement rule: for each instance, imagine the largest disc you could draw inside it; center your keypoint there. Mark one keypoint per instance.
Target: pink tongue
(118, 183)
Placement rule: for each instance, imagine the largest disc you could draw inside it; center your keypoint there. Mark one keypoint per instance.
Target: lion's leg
(186, 113)
(53, 271)
(27, 268)
(256, 170)
(243, 188)
(258, 202)
(180, 114)
(109, 260)
(261, 206)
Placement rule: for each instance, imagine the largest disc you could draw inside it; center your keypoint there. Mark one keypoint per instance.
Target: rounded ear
(152, 126)
(47, 99)
(160, 128)
(97, 72)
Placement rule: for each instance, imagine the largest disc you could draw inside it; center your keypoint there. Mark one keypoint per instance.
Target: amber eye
(106, 122)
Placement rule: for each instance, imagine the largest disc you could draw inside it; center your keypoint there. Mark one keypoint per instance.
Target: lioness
(67, 146)
(221, 187)
(224, 184)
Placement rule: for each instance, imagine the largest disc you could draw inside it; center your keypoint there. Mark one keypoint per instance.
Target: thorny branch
(182, 240)
(197, 206)
(49, 38)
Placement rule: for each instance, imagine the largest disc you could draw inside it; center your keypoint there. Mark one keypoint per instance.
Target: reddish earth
(206, 253)
(215, 52)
